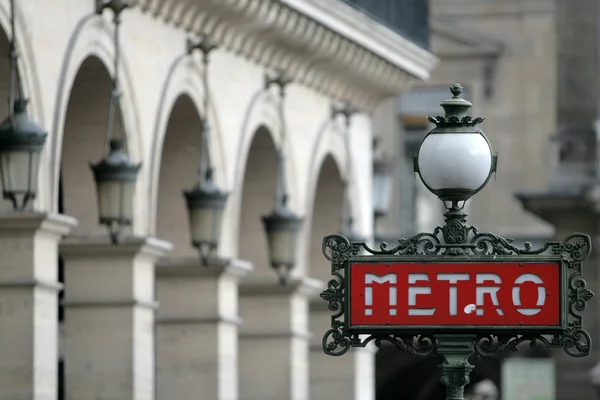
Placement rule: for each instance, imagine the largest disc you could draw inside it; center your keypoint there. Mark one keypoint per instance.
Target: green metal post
(456, 350)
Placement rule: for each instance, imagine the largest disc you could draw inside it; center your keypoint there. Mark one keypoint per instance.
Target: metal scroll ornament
(455, 239)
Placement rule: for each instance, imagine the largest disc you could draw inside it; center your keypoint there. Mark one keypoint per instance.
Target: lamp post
(205, 202)
(116, 174)
(21, 140)
(464, 294)
(282, 225)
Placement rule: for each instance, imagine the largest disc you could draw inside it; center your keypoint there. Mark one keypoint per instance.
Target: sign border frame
(477, 247)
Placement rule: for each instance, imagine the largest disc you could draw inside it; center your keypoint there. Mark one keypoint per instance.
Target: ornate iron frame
(469, 246)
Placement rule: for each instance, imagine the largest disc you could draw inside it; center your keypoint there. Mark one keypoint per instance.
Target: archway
(326, 215)
(83, 140)
(181, 152)
(258, 194)
(4, 87)
(326, 219)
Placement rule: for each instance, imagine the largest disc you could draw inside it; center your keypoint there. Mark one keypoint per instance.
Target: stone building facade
(143, 319)
(530, 67)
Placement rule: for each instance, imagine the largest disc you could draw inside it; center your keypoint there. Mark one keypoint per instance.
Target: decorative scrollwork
(338, 249)
(576, 342)
(489, 345)
(336, 341)
(453, 121)
(455, 235)
(573, 250)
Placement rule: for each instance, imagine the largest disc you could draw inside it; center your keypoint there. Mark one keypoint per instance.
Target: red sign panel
(455, 294)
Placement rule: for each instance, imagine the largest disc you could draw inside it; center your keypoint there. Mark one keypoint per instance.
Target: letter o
(516, 294)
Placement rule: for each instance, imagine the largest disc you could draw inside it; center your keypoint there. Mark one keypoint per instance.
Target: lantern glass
(455, 161)
(115, 201)
(205, 205)
(18, 170)
(282, 227)
(382, 189)
(205, 226)
(282, 247)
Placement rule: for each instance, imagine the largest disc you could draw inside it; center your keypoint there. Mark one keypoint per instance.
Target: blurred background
(304, 111)
(530, 67)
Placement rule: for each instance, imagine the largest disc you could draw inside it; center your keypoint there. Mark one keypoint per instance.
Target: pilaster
(569, 213)
(29, 304)
(109, 317)
(197, 328)
(331, 378)
(274, 339)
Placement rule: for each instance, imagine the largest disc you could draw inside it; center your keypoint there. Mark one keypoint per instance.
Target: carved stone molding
(335, 50)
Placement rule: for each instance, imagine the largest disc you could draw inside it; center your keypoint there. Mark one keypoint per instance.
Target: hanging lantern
(115, 176)
(205, 204)
(282, 227)
(21, 145)
(382, 187)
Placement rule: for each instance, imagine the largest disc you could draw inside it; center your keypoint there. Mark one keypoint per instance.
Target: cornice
(478, 8)
(337, 51)
(473, 45)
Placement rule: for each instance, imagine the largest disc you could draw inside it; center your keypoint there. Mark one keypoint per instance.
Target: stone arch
(29, 82)
(92, 39)
(257, 196)
(83, 140)
(329, 143)
(328, 150)
(181, 152)
(261, 116)
(325, 218)
(325, 213)
(184, 79)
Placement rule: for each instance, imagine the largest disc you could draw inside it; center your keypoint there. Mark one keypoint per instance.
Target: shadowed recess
(258, 194)
(181, 153)
(83, 141)
(4, 84)
(326, 215)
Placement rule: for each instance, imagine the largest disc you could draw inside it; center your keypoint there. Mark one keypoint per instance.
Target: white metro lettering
(479, 297)
(516, 294)
(369, 280)
(491, 290)
(413, 291)
(453, 279)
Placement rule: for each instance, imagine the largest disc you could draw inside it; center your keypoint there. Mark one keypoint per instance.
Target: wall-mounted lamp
(116, 174)
(205, 202)
(282, 225)
(21, 140)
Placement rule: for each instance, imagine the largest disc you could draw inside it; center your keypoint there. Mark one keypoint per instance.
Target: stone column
(109, 317)
(274, 339)
(29, 304)
(352, 378)
(197, 328)
(577, 92)
(571, 203)
(569, 214)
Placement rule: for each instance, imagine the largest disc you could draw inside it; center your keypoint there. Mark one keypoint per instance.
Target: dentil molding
(326, 45)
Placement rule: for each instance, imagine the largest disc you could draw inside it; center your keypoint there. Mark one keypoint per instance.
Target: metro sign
(455, 295)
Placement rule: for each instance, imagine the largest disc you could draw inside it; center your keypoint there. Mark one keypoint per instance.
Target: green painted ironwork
(456, 241)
